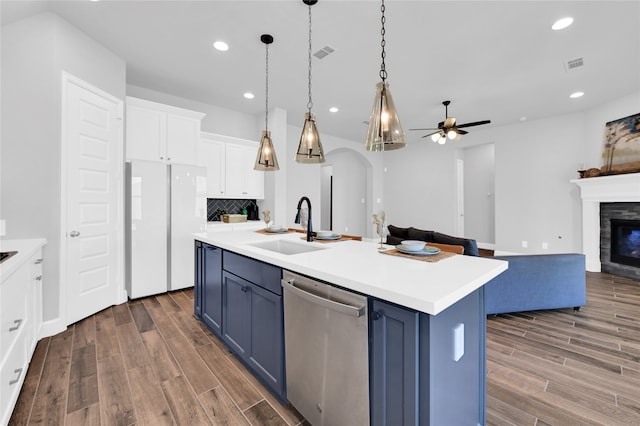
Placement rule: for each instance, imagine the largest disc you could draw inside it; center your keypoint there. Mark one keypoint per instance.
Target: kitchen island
(426, 320)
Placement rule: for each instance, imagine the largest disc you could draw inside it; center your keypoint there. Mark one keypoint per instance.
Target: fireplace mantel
(596, 190)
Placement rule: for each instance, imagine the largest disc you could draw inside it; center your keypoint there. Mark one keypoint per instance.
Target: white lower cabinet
(21, 318)
(229, 162)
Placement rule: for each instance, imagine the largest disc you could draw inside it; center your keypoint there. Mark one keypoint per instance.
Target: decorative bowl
(324, 234)
(413, 245)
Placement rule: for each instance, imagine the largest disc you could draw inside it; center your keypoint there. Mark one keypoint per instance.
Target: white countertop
(25, 248)
(357, 265)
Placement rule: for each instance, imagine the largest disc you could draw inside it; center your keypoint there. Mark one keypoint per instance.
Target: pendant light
(266, 159)
(385, 132)
(309, 149)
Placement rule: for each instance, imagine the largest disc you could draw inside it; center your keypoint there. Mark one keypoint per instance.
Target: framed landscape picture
(621, 152)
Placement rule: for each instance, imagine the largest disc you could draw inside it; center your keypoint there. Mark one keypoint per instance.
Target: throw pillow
(470, 246)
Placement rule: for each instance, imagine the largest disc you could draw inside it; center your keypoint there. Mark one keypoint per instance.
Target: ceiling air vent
(322, 53)
(572, 64)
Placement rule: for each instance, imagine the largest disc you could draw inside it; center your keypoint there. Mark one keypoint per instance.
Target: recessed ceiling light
(576, 95)
(221, 46)
(249, 95)
(523, 118)
(561, 24)
(333, 109)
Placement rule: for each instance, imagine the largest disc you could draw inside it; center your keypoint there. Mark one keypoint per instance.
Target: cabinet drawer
(265, 275)
(13, 308)
(12, 376)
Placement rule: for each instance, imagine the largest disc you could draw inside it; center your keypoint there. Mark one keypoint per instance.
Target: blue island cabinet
(428, 370)
(252, 317)
(240, 300)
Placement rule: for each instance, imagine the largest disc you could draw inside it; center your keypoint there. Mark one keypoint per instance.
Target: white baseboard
(51, 328)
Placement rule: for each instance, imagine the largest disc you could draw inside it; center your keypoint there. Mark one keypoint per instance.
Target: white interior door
(92, 198)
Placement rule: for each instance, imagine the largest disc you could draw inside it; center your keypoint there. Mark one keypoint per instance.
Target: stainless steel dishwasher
(327, 353)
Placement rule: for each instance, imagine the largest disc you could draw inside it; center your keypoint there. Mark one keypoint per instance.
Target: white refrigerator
(165, 205)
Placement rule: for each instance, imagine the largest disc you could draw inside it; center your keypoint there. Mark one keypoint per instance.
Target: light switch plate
(458, 342)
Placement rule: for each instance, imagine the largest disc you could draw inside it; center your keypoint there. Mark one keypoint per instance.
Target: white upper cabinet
(164, 133)
(229, 163)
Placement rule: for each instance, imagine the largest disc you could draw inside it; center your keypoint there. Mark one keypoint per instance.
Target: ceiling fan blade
(429, 128)
(461, 132)
(475, 123)
(450, 122)
(429, 134)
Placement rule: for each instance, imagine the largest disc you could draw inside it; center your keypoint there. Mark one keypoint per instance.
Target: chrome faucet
(309, 227)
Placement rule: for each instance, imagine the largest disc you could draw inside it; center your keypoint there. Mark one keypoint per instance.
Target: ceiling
(496, 60)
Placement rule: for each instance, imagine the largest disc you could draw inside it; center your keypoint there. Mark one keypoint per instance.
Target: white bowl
(324, 233)
(413, 245)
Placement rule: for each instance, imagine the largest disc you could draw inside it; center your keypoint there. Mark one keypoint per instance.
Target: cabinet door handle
(375, 315)
(245, 288)
(39, 278)
(74, 234)
(16, 326)
(168, 158)
(162, 158)
(38, 261)
(18, 371)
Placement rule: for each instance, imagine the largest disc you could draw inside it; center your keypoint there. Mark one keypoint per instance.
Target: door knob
(74, 234)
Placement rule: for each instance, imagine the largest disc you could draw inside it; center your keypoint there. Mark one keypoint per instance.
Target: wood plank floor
(149, 362)
(563, 367)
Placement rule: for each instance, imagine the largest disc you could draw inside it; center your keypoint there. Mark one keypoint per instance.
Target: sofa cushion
(470, 246)
(397, 234)
(420, 235)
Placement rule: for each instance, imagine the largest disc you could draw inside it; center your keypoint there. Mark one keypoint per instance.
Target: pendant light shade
(385, 132)
(309, 148)
(266, 160)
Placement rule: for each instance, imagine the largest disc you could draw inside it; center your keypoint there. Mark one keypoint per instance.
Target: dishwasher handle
(356, 311)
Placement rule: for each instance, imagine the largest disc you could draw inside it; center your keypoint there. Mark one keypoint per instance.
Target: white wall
(419, 186)
(34, 53)
(534, 163)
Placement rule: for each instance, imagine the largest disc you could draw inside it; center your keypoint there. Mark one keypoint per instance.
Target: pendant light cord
(310, 103)
(266, 91)
(383, 70)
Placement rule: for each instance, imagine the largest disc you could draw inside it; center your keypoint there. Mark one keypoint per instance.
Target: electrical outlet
(458, 342)
(545, 246)
(525, 244)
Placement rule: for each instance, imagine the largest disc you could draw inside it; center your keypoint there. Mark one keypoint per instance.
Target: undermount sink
(286, 247)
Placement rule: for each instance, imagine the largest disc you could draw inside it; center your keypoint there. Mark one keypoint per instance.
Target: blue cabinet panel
(260, 273)
(197, 287)
(444, 382)
(394, 365)
(211, 298)
(235, 312)
(265, 353)
(415, 379)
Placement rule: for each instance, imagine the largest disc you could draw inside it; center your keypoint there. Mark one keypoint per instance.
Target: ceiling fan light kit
(309, 148)
(448, 128)
(385, 132)
(266, 159)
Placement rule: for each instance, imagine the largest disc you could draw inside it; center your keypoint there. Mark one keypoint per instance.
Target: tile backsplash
(214, 205)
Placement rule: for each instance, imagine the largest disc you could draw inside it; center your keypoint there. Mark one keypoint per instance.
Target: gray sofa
(532, 282)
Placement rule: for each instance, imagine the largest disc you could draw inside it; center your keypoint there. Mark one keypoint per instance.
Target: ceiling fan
(448, 128)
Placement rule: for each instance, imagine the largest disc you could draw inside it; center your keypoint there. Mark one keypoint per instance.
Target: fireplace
(625, 242)
(600, 195)
(620, 239)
